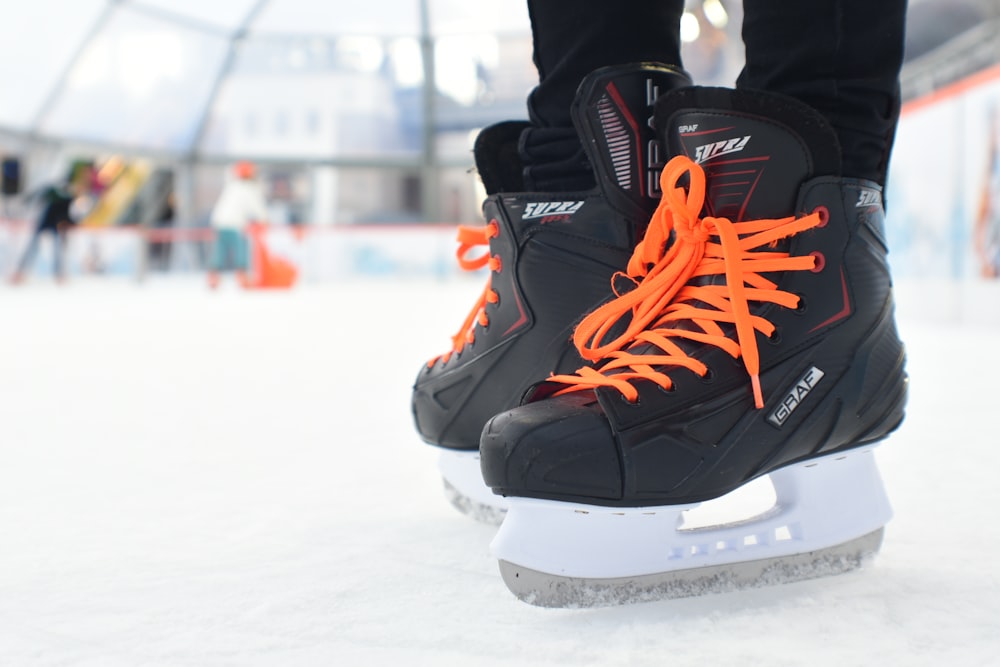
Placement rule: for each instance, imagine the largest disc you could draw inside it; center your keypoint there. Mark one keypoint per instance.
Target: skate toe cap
(559, 448)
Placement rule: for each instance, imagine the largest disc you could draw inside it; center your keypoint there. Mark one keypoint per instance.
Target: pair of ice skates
(717, 310)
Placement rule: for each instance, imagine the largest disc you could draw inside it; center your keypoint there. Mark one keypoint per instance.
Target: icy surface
(202, 479)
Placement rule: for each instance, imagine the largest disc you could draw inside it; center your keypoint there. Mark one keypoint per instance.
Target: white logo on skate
(869, 198)
(711, 151)
(546, 208)
(796, 395)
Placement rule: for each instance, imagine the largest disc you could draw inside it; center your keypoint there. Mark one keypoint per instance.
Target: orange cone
(269, 272)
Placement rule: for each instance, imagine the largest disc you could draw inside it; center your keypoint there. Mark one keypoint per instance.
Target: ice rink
(198, 479)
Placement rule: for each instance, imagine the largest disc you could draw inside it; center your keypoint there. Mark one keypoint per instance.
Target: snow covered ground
(203, 479)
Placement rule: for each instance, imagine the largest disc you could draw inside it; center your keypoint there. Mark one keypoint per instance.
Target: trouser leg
(572, 38)
(841, 57)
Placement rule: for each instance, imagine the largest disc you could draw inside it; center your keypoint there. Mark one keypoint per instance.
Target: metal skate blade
(481, 512)
(549, 590)
(464, 487)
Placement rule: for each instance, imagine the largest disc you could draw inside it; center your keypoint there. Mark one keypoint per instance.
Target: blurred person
(688, 290)
(240, 204)
(160, 248)
(63, 205)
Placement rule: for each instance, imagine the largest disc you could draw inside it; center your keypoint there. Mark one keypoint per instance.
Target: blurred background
(197, 478)
(359, 120)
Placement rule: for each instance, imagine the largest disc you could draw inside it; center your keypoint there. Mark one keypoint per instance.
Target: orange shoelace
(665, 293)
(469, 238)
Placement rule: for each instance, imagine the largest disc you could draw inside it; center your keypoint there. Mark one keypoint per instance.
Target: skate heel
(827, 518)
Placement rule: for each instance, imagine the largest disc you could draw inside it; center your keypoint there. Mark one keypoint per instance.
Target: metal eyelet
(824, 215)
(820, 261)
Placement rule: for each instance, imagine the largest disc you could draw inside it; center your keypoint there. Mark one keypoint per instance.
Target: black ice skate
(760, 342)
(551, 256)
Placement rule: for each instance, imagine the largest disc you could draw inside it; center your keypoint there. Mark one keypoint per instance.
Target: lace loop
(473, 237)
(671, 299)
(469, 238)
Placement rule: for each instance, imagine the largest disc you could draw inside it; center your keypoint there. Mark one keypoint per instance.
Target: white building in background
(315, 115)
(359, 101)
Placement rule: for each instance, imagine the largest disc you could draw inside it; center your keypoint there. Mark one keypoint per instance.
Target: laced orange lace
(666, 295)
(469, 238)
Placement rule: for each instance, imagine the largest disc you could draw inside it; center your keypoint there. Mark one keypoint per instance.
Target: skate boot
(551, 257)
(761, 342)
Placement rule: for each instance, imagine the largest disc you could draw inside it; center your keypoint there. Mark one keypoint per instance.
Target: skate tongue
(756, 148)
(613, 114)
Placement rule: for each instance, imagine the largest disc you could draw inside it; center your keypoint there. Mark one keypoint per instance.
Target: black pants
(841, 57)
(58, 248)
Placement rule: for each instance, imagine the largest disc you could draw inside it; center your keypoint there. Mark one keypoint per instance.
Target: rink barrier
(939, 176)
(321, 253)
(342, 252)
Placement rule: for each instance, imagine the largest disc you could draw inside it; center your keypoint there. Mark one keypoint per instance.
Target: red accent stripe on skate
(698, 134)
(617, 98)
(521, 321)
(844, 312)
(715, 163)
(736, 173)
(746, 202)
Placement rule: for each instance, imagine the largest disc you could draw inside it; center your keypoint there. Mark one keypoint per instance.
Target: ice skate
(760, 342)
(551, 256)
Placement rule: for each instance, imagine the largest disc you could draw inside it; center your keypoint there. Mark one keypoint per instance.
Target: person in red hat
(240, 204)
